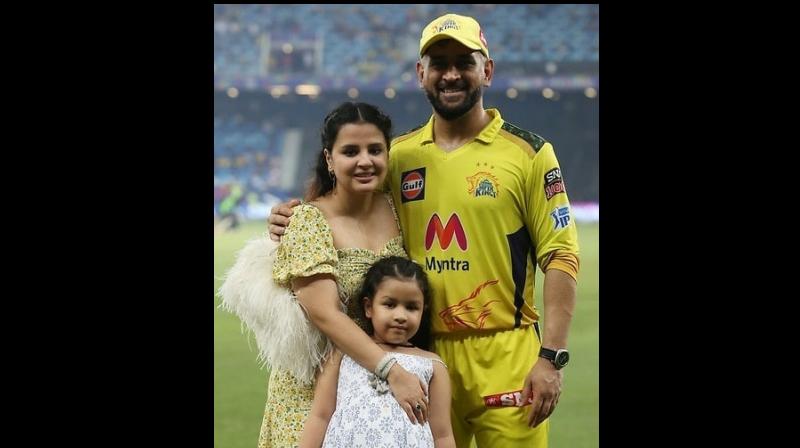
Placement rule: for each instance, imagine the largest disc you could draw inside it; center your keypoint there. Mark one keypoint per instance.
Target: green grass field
(240, 385)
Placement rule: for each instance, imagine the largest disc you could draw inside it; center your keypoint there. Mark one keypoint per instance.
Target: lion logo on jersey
(483, 183)
(469, 313)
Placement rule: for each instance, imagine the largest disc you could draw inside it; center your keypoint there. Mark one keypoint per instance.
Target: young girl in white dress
(352, 407)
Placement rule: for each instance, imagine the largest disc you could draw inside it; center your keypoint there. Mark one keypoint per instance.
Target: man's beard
(452, 113)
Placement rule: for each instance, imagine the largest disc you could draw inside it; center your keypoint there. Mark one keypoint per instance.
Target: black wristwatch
(559, 357)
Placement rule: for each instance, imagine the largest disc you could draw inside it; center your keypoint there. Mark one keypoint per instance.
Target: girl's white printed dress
(365, 418)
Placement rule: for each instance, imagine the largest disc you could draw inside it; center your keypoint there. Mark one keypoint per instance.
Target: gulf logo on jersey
(445, 233)
(412, 185)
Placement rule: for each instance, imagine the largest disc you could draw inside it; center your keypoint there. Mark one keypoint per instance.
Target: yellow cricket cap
(453, 26)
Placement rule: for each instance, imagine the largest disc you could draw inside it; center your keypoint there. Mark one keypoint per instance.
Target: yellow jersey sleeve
(549, 219)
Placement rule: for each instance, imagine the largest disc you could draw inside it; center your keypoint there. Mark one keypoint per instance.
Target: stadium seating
(365, 43)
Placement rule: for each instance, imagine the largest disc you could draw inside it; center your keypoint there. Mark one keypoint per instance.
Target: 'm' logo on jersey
(483, 183)
(445, 233)
(560, 217)
(412, 185)
(553, 183)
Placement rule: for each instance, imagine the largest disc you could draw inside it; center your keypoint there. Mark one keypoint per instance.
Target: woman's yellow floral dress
(307, 249)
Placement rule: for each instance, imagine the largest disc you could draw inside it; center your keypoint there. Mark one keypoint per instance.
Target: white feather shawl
(286, 339)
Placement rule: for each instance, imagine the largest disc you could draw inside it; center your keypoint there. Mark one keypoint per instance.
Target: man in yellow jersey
(481, 203)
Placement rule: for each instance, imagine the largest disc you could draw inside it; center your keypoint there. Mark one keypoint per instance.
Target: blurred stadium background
(279, 69)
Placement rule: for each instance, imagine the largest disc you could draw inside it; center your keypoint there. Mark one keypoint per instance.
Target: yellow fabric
(491, 366)
(307, 249)
(563, 261)
(453, 26)
(478, 219)
(288, 405)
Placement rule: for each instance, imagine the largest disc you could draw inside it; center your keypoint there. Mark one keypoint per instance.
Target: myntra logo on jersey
(412, 185)
(445, 235)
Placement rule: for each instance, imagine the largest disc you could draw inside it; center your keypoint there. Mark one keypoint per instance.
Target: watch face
(562, 358)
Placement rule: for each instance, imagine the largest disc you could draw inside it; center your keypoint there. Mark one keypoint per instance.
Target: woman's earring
(333, 177)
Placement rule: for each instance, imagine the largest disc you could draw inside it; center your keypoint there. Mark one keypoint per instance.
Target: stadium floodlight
(278, 91)
(307, 89)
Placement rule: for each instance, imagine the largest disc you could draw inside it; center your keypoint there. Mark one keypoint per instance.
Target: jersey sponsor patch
(439, 265)
(506, 399)
(445, 233)
(412, 185)
(553, 183)
(483, 184)
(561, 217)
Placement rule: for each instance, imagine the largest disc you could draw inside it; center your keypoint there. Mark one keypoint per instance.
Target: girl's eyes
(408, 307)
